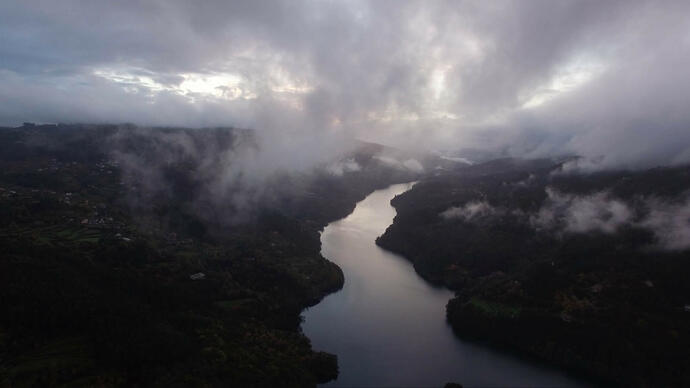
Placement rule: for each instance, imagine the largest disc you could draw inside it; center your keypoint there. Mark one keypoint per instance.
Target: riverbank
(386, 325)
(604, 304)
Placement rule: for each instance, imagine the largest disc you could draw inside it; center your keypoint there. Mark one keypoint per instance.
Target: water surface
(387, 325)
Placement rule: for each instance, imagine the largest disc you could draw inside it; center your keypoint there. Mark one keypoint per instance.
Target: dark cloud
(607, 80)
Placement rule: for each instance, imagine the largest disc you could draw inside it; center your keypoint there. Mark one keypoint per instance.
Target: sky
(607, 80)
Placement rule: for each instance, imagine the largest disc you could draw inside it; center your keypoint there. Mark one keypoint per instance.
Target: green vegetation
(607, 304)
(97, 263)
(493, 309)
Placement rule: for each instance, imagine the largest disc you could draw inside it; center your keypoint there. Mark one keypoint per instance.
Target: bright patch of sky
(568, 78)
(226, 86)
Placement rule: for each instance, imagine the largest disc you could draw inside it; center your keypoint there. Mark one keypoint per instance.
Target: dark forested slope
(133, 256)
(588, 271)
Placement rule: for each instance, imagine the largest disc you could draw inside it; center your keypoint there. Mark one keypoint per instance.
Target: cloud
(471, 211)
(604, 80)
(222, 175)
(670, 222)
(412, 165)
(580, 214)
(457, 159)
(601, 212)
(341, 167)
(531, 178)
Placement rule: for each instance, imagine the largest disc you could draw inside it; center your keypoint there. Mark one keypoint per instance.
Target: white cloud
(570, 77)
(581, 214)
(600, 212)
(412, 165)
(470, 211)
(343, 166)
(457, 159)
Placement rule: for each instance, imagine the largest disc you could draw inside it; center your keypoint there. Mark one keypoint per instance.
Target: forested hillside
(587, 271)
(124, 261)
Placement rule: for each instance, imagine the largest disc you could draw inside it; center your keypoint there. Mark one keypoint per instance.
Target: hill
(135, 256)
(586, 271)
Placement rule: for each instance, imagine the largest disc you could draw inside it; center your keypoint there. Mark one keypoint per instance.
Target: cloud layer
(605, 80)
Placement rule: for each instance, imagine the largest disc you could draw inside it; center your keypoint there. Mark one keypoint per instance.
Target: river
(387, 325)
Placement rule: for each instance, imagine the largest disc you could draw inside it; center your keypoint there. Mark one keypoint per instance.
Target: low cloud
(471, 211)
(527, 181)
(669, 221)
(581, 214)
(224, 175)
(457, 159)
(580, 166)
(341, 167)
(412, 165)
(599, 212)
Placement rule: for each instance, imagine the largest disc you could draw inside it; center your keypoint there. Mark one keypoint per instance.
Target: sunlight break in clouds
(570, 77)
(214, 85)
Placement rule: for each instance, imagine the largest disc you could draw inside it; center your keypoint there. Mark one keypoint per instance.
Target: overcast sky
(609, 80)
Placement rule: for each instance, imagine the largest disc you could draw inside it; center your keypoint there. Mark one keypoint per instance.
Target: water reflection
(387, 324)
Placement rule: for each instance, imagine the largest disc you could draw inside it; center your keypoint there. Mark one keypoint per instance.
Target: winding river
(387, 324)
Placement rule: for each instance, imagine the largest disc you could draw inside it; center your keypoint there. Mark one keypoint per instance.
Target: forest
(109, 280)
(582, 270)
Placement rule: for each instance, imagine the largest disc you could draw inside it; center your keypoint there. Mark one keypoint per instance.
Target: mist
(601, 212)
(470, 211)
